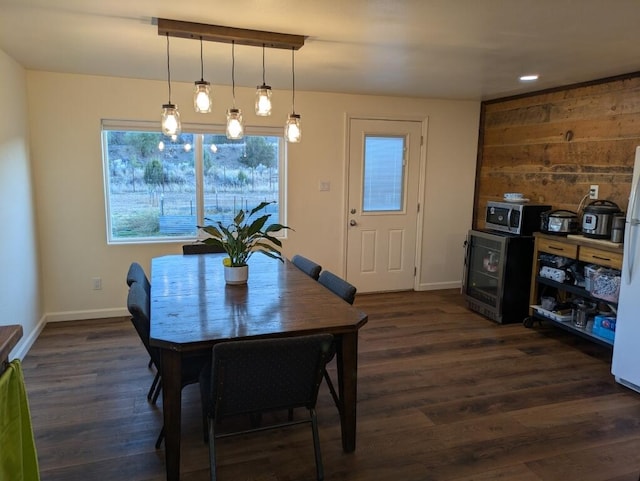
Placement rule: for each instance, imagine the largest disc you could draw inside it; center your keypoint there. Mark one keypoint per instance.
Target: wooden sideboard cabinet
(584, 251)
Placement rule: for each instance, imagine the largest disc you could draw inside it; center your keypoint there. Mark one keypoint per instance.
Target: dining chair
(261, 375)
(307, 266)
(136, 274)
(338, 286)
(200, 248)
(347, 292)
(138, 305)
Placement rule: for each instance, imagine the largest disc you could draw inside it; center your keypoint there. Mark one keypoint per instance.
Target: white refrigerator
(626, 346)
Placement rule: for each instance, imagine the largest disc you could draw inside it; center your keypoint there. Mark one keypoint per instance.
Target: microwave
(517, 218)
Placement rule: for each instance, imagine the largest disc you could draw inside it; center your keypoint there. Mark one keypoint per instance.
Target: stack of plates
(515, 197)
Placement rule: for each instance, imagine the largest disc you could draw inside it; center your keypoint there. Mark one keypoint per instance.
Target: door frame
(424, 122)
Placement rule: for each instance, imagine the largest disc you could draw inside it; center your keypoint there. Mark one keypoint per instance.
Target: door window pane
(383, 186)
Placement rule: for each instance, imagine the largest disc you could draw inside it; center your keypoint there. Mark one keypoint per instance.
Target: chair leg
(152, 389)
(334, 394)
(212, 448)
(157, 392)
(160, 438)
(316, 445)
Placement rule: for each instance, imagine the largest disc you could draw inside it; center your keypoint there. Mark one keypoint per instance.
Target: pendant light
(235, 126)
(292, 130)
(170, 116)
(202, 93)
(263, 95)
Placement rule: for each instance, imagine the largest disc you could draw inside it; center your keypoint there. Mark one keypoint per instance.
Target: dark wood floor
(444, 394)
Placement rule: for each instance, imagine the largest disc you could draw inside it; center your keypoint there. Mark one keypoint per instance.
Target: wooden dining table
(192, 309)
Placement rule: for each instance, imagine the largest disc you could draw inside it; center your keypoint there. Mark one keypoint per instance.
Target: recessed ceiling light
(529, 78)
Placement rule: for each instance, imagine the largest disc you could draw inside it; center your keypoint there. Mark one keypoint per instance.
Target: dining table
(192, 309)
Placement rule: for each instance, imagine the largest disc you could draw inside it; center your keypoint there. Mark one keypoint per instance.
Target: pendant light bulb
(263, 94)
(171, 125)
(202, 93)
(170, 118)
(292, 129)
(202, 97)
(263, 101)
(235, 125)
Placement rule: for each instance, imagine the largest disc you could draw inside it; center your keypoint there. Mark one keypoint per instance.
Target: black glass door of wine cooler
(498, 275)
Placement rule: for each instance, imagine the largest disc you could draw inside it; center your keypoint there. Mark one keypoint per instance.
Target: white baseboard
(23, 346)
(438, 286)
(89, 314)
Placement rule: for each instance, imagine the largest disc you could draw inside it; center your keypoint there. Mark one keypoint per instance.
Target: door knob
(352, 222)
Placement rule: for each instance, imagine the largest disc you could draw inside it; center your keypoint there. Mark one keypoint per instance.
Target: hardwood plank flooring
(444, 395)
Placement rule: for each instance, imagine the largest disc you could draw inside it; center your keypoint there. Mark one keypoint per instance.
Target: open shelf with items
(579, 251)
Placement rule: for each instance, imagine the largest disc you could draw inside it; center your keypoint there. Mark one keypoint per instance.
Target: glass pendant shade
(171, 120)
(235, 126)
(292, 130)
(202, 97)
(263, 101)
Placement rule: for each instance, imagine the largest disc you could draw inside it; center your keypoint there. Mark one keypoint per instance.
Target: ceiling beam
(240, 36)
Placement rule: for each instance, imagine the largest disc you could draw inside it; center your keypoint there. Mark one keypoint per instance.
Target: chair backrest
(338, 286)
(307, 266)
(136, 274)
(200, 248)
(139, 306)
(266, 374)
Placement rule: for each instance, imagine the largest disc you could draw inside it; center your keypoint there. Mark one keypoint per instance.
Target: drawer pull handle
(601, 258)
(556, 248)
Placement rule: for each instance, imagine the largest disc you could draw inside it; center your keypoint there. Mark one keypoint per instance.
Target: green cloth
(18, 459)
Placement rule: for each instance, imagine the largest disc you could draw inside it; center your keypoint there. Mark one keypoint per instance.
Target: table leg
(172, 409)
(347, 364)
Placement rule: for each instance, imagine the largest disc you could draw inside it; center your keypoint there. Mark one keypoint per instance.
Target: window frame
(198, 130)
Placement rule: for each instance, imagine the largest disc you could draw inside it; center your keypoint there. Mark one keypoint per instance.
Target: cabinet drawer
(602, 258)
(558, 248)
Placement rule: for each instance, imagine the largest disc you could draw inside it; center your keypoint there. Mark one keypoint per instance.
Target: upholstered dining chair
(307, 266)
(338, 286)
(261, 375)
(347, 292)
(139, 307)
(136, 274)
(201, 248)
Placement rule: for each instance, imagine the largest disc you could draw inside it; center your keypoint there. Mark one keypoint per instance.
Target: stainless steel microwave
(517, 218)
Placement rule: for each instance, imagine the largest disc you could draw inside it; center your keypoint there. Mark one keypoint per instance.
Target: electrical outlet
(97, 283)
(593, 192)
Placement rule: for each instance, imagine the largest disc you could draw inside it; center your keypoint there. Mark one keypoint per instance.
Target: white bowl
(513, 195)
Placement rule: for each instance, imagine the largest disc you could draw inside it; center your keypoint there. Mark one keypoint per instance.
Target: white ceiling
(454, 49)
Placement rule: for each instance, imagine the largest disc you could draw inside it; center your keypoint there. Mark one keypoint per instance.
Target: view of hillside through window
(158, 188)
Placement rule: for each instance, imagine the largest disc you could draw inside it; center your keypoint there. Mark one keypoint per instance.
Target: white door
(384, 171)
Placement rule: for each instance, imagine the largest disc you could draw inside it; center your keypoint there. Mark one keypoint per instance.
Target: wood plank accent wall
(552, 145)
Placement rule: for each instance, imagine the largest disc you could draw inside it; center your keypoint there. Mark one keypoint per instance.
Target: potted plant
(242, 238)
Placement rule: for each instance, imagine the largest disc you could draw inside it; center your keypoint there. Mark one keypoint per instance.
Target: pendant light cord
(263, 70)
(233, 72)
(201, 63)
(168, 69)
(293, 79)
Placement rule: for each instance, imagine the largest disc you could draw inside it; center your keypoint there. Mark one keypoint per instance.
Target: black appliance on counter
(497, 275)
(498, 260)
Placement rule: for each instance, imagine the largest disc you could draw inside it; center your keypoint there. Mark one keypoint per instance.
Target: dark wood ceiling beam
(217, 33)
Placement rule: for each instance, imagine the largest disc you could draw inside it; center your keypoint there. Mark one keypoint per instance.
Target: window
(161, 189)
(383, 186)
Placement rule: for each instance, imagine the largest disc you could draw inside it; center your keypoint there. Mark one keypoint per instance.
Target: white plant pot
(236, 275)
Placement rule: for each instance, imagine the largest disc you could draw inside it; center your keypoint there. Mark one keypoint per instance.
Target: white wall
(65, 124)
(19, 277)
